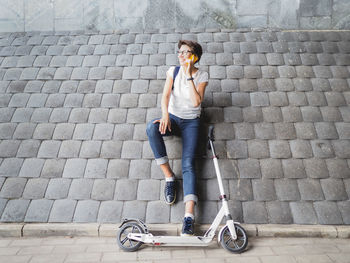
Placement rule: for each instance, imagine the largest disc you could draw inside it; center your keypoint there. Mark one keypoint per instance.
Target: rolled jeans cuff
(162, 160)
(190, 197)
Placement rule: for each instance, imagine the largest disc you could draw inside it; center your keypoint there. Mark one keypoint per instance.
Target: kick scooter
(133, 233)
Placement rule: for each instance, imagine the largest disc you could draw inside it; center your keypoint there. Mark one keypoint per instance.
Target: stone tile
(98, 115)
(310, 190)
(38, 211)
(8, 148)
(7, 130)
(13, 188)
(15, 210)
(71, 86)
(341, 148)
(344, 208)
(53, 168)
(35, 188)
(272, 114)
(287, 190)
(58, 188)
(80, 189)
(86, 211)
(252, 114)
(44, 131)
(311, 114)
(237, 149)
(258, 149)
(293, 168)
(97, 73)
(248, 85)
(303, 213)
(131, 150)
(301, 149)
(139, 169)
(148, 190)
(331, 114)
(254, 212)
(134, 209)
(328, 213)
(96, 168)
(24, 131)
(249, 168)
(19, 100)
(74, 168)
(263, 190)
(49, 149)
(157, 211)
(69, 149)
(114, 73)
(338, 168)
(111, 149)
(60, 115)
(103, 190)
(90, 149)
(335, 99)
(279, 149)
(322, 149)
(62, 210)
(337, 85)
(344, 112)
(110, 212)
(279, 212)
(92, 100)
(118, 168)
(316, 168)
(63, 131)
(334, 189)
(244, 130)
(264, 130)
(230, 114)
(31, 167)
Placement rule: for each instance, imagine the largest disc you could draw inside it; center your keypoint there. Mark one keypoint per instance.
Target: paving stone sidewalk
(260, 250)
(74, 107)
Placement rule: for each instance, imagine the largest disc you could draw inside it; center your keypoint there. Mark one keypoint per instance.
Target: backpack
(176, 71)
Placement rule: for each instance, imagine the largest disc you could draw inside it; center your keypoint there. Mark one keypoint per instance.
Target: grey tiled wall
(67, 15)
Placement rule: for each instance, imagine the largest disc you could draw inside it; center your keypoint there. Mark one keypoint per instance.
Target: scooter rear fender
(136, 220)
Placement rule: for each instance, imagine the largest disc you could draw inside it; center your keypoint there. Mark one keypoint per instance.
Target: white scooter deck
(170, 240)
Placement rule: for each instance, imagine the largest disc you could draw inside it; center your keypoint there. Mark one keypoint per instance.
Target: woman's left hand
(189, 66)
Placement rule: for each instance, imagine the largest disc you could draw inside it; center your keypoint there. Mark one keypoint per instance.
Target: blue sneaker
(188, 227)
(170, 192)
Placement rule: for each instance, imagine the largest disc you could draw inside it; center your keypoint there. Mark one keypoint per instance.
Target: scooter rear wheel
(124, 242)
(234, 246)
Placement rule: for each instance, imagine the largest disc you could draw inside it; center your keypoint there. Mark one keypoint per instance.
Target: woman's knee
(152, 128)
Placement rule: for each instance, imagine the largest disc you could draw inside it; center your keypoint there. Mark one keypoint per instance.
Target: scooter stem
(217, 171)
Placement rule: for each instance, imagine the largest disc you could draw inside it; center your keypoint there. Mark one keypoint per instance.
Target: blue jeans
(188, 129)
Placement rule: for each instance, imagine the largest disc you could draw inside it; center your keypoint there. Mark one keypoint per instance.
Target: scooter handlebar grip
(211, 133)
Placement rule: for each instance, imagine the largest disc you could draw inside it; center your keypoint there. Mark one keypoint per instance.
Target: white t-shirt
(180, 103)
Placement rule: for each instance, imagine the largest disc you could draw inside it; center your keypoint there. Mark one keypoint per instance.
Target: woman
(181, 108)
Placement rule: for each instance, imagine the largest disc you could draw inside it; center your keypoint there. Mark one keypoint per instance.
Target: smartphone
(194, 58)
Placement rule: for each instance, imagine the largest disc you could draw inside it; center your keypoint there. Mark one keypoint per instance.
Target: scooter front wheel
(124, 242)
(234, 246)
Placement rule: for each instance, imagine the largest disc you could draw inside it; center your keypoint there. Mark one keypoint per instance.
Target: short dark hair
(194, 46)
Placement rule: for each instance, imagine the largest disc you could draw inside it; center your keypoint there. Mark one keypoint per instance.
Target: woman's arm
(164, 122)
(197, 93)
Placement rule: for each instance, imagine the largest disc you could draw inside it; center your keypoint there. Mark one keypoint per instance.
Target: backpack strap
(176, 71)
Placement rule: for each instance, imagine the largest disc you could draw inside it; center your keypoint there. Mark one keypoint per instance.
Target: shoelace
(169, 188)
(188, 223)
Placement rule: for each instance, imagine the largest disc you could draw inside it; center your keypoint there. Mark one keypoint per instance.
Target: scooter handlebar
(211, 133)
